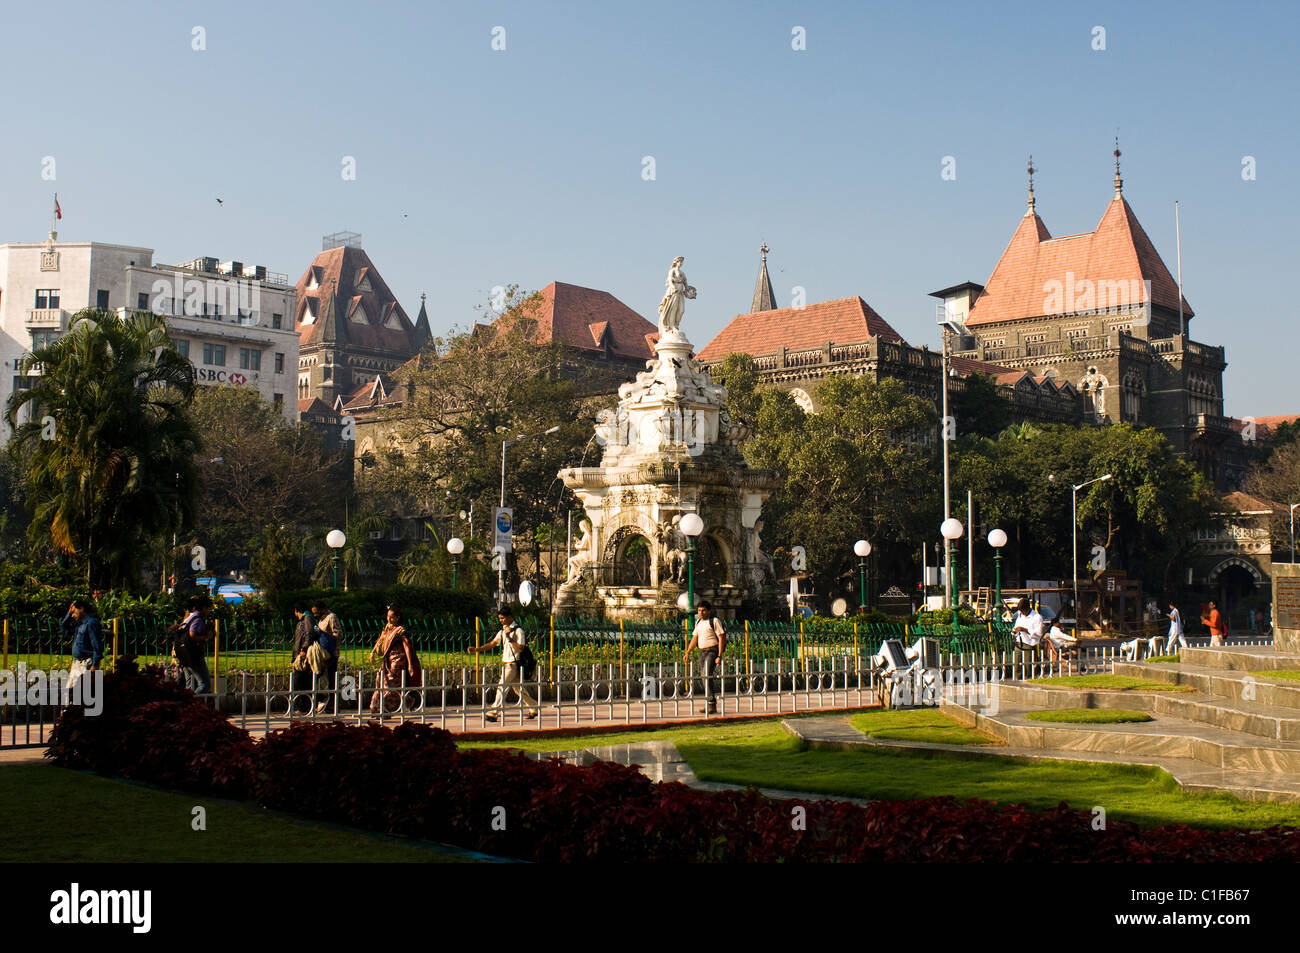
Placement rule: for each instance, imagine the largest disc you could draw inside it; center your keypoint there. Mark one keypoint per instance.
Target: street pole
(454, 561)
(862, 582)
(997, 575)
(1293, 506)
(949, 588)
(690, 575)
(336, 569)
(1074, 553)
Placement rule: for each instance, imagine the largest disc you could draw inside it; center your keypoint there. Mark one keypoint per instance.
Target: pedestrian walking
(710, 636)
(329, 640)
(1175, 630)
(79, 624)
(300, 678)
(1213, 619)
(514, 644)
(397, 661)
(189, 641)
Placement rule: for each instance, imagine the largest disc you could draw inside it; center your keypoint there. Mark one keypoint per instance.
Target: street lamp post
(863, 550)
(691, 526)
(335, 540)
(997, 539)
(951, 530)
(501, 573)
(455, 546)
(1293, 506)
(1074, 539)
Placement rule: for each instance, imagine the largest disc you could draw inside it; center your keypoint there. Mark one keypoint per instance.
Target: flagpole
(1178, 238)
(54, 218)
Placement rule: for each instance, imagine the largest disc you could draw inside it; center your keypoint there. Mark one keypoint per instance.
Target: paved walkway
(620, 716)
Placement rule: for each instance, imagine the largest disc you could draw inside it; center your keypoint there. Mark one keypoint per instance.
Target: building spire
(1119, 183)
(764, 299)
(1031, 186)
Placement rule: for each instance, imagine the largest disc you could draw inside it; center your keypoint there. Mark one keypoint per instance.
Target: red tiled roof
(313, 405)
(340, 269)
(577, 317)
(965, 366)
(843, 321)
(1238, 502)
(1275, 421)
(1118, 250)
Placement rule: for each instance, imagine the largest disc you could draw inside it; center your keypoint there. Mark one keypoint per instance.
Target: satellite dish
(525, 592)
(839, 607)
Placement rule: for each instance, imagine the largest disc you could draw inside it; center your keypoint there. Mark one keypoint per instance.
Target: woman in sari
(396, 655)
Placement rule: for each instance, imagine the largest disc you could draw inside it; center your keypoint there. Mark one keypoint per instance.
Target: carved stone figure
(674, 301)
(582, 555)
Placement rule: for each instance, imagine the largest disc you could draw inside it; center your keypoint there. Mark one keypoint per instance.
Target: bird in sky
(219, 202)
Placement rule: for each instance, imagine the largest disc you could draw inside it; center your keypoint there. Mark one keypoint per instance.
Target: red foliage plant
(412, 780)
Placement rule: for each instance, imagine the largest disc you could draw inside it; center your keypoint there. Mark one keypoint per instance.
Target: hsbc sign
(208, 375)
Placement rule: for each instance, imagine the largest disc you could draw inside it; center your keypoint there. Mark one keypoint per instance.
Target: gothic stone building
(1082, 328)
(350, 326)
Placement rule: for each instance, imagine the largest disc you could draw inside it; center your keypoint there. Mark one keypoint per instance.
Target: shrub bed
(412, 780)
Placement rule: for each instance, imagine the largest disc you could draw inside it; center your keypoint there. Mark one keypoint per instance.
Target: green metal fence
(266, 646)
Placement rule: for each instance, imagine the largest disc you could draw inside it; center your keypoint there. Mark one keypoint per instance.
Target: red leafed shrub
(412, 780)
(157, 731)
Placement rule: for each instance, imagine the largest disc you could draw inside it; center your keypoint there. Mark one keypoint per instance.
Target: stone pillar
(1286, 607)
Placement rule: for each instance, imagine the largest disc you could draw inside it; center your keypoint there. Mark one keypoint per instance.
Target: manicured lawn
(1162, 658)
(919, 724)
(1111, 683)
(1281, 674)
(51, 814)
(1089, 716)
(762, 754)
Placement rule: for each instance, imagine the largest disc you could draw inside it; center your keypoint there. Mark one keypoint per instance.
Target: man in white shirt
(1175, 630)
(1028, 627)
(512, 640)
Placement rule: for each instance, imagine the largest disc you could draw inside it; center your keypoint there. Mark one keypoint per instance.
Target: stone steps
(1231, 685)
(1240, 658)
(1167, 736)
(1255, 717)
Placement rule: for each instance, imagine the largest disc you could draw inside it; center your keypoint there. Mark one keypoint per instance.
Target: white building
(234, 322)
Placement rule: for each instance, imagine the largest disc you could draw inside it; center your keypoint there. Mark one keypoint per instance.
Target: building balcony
(1210, 425)
(55, 319)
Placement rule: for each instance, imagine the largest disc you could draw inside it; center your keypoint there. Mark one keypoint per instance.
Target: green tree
(275, 565)
(1145, 517)
(464, 397)
(860, 467)
(266, 470)
(111, 446)
(979, 407)
(357, 557)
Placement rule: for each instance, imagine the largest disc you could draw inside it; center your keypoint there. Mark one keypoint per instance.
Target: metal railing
(463, 698)
(267, 646)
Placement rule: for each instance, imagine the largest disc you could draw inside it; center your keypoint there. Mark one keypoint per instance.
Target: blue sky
(477, 168)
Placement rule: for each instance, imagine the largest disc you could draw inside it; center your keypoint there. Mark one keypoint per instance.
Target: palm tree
(112, 449)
